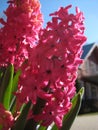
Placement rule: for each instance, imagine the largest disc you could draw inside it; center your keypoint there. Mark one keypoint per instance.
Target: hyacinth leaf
(54, 127)
(6, 86)
(21, 121)
(2, 71)
(42, 128)
(12, 107)
(1, 127)
(8, 81)
(72, 114)
(1, 74)
(15, 80)
(69, 118)
(14, 88)
(81, 92)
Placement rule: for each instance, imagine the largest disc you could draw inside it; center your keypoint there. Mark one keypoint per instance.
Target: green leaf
(2, 71)
(6, 86)
(42, 128)
(14, 88)
(21, 121)
(1, 127)
(12, 107)
(54, 127)
(15, 80)
(70, 117)
(81, 92)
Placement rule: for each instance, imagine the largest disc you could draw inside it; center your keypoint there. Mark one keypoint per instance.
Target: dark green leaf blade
(69, 118)
(14, 89)
(6, 86)
(21, 121)
(15, 80)
(42, 128)
(54, 127)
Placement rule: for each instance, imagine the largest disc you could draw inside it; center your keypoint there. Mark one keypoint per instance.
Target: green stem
(31, 124)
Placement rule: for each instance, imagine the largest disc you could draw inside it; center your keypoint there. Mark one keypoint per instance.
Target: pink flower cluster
(6, 118)
(48, 58)
(53, 65)
(19, 32)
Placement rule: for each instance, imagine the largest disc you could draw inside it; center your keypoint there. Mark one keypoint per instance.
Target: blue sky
(89, 7)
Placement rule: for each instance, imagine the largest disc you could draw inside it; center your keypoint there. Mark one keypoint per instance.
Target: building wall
(90, 98)
(89, 69)
(91, 90)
